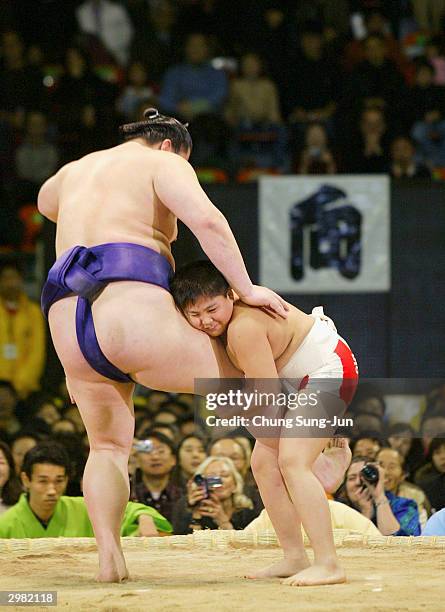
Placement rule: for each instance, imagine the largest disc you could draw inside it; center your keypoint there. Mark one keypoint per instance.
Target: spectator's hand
(364, 501)
(213, 508)
(268, 299)
(195, 494)
(147, 527)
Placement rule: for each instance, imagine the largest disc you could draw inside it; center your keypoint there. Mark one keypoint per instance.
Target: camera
(369, 474)
(208, 483)
(143, 446)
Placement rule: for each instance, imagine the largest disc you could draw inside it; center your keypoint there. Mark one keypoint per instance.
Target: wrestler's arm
(178, 188)
(48, 198)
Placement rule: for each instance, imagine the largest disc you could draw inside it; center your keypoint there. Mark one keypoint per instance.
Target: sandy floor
(208, 580)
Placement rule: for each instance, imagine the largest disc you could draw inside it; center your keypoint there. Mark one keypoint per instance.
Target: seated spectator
(178, 407)
(42, 406)
(155, 40)
(253, 98)
(9, 423)
(375, 82)
(376, 23)
(365, 421)
(434, 53)
(403, 164)
(429, 136)
(342, 517)
(22, 333)
(193, 87)
(171, 431)
(392, 462)
(429, 476)
(72, 413)
(316, 157)
(369, 401)
(110, 23)
(312, 82)
(226, 506)
(84, 104)
(152, 483)
(435, 525)
(10, 487)
(21, 443)
(45, 512)
(424, 99)
(137, 92)
(165, 417)
(369, 154)
(401, 437)
(191, 453)
(391, 514)
(21, 85)
(64, 426)
(367, 445)
(36, 158)
(433, 424)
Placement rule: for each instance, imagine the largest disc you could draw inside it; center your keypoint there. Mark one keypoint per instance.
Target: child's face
(210, 314)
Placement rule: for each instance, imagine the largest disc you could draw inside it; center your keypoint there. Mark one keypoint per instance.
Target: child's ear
(230, 295)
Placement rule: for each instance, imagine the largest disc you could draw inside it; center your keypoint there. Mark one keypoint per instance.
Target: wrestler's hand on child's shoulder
(268, 299)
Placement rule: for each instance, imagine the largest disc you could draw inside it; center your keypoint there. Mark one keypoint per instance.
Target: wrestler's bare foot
(332, 464)
(282, 568)
(316, 575)
(112, 568)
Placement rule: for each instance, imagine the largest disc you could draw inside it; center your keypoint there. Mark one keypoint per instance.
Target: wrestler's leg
(107, 411)
(296, 457)
(281, 512)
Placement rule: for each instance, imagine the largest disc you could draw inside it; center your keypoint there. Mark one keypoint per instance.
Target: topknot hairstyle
(156, 128)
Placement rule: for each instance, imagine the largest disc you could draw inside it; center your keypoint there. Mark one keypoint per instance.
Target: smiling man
(44, 512)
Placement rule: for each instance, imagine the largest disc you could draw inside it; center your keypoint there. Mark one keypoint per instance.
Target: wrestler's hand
(268, 299)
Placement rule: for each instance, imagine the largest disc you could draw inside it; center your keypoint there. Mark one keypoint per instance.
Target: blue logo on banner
(334, 230)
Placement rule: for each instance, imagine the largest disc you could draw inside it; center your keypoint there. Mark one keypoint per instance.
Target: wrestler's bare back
(110, 196)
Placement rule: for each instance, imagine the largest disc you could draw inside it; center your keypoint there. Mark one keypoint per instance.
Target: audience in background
(22, 334)
(403, 163)
(391, 514)
(222, 507)
(10, 487)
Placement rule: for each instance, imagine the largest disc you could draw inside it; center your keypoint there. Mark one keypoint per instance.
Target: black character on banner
(334, 228)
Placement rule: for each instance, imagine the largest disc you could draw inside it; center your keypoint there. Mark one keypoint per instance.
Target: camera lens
(370, 474)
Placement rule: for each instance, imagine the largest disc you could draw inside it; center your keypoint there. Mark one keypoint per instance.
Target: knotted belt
(85, 272)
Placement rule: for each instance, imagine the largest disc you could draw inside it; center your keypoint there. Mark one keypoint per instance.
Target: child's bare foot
(331, 465)
(282, 568)
(317, 574)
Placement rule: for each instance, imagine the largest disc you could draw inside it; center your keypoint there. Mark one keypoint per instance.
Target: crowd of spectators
(173, 449)
(267, 87)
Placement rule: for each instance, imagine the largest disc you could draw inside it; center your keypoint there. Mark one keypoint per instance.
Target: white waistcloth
(316, 352)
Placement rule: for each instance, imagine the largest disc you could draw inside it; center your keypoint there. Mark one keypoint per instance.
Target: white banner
(325, 234)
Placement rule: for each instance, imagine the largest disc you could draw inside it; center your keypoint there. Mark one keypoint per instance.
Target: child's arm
(248, 341)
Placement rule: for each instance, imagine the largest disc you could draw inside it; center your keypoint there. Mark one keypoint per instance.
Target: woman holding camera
(214, 499)
(392, 514)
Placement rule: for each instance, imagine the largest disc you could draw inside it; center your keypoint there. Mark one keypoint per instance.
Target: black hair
(435, 444)
(195, 280)
(398, 429)
(160, 437)
(46, 452)
(6, 384)
(12, 488)
(156, 128)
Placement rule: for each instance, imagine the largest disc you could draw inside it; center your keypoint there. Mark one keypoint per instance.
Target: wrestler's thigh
(182, 355)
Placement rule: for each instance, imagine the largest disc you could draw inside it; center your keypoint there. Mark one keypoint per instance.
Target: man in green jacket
(44, 512)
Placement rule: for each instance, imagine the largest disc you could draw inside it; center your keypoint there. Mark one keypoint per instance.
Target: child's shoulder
(245, 316)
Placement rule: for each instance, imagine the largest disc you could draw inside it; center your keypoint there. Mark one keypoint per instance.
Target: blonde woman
(223, 507)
